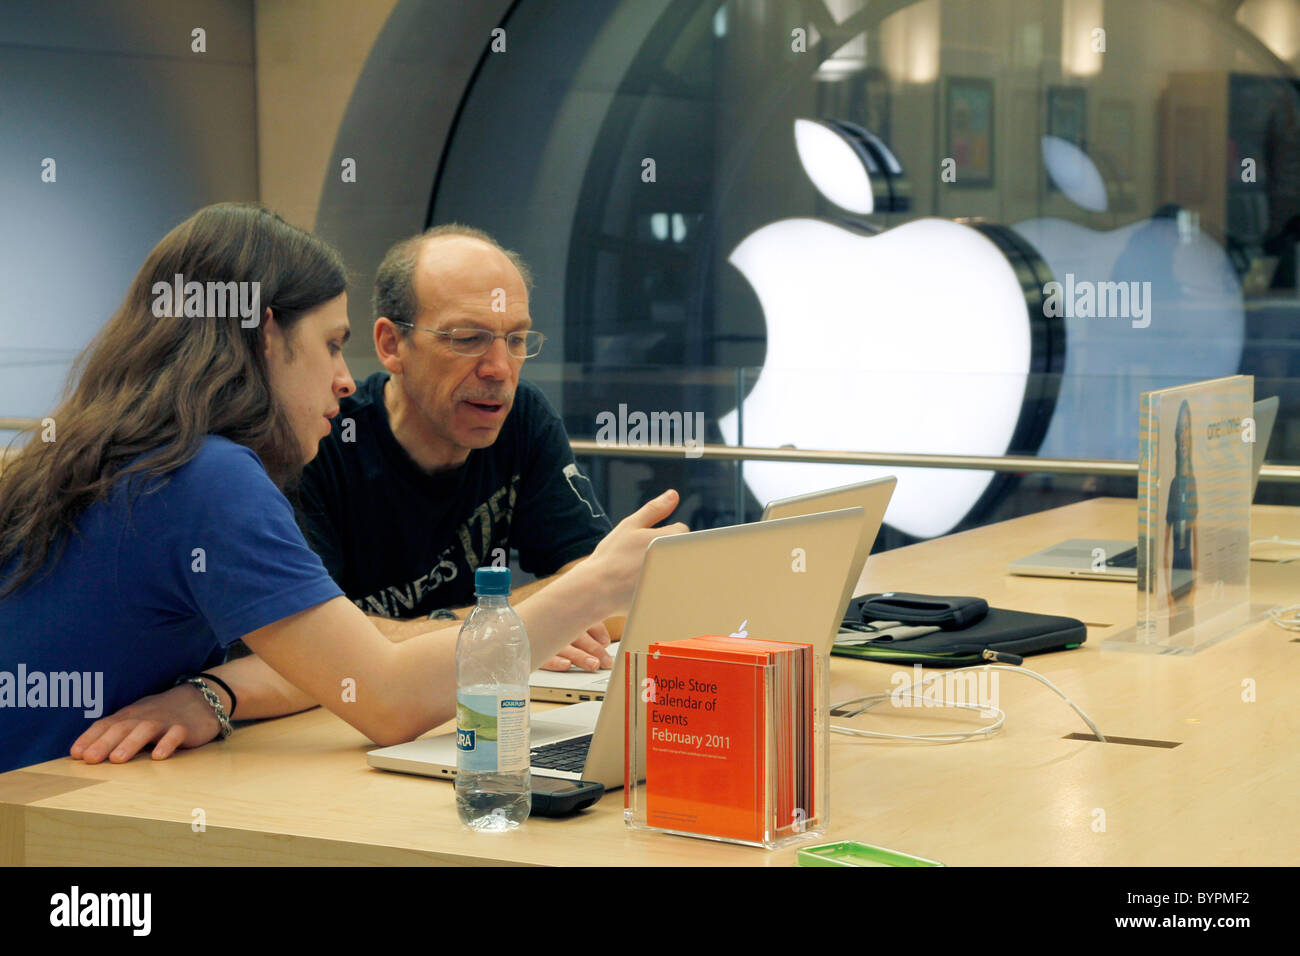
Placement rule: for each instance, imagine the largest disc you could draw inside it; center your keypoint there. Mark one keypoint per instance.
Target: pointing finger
(653, 511)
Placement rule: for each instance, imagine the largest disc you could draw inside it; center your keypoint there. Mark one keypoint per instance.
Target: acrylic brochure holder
(1194, 494)
(726, 750)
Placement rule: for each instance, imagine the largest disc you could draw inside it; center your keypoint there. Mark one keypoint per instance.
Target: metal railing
(1010, 463)
(1289, 474)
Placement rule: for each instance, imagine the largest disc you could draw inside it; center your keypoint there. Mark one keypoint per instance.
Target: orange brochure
(794, 690)
(706, 745)
(709, 752)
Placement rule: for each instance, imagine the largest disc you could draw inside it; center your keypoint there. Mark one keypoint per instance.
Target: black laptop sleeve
(1001, 635)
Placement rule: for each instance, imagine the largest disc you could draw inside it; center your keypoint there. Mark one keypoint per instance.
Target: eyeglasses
(478, 341)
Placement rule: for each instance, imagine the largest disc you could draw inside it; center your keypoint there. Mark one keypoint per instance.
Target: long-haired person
(152, 531)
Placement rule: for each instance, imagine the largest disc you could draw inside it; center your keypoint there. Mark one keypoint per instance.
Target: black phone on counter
(556, 797)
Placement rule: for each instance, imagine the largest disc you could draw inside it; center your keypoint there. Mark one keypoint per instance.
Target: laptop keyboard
(1125, 559)
(569, 755)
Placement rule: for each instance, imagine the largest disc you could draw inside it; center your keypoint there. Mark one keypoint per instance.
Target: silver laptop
(1110, 560)
(576, 685)
(871, 496)
(737, 580)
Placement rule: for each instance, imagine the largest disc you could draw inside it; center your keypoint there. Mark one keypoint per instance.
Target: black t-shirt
(401, 542)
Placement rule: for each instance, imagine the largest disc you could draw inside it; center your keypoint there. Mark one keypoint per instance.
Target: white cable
(988, 730)
(1286, 542)
(1278, 616)
(942, 738)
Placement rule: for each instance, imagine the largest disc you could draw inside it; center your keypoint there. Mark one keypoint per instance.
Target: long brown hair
(147, 389)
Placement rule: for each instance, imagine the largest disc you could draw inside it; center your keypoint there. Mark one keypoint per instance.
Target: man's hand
(588, 652)
(612, 569)
(179, 717)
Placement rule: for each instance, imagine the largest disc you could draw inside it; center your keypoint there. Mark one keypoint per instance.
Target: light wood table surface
(297, 790)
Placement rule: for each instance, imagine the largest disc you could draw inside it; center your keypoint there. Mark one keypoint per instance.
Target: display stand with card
(1194, 491)
(727, 739)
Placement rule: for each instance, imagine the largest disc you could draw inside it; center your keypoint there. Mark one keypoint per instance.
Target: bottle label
(491, 733)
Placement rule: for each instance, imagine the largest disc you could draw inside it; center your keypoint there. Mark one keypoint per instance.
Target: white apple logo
(1197, 326)
(914, 340)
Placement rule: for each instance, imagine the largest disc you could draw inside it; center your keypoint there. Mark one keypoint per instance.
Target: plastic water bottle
(493, 663)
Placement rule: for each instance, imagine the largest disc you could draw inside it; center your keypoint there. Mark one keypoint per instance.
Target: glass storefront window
(1057, 205)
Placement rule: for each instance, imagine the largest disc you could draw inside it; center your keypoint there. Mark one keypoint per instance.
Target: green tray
(852, 853)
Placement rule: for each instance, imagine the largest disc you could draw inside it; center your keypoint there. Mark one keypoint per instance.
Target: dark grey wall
(142, 130)
(395, 127)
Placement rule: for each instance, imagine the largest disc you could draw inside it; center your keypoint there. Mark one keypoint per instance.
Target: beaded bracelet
(234, 701)
(214, 702)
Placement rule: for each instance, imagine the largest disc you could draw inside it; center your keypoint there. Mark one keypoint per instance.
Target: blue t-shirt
(141, 596)
(1181, 513)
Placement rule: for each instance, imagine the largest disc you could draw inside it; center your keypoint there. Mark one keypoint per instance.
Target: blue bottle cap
(492, 580)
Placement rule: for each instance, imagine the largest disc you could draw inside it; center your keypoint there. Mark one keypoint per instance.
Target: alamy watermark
(210, 300)
(1085, 299)
(79, 690)
(953, 688)
(654, 430)
(75, 908)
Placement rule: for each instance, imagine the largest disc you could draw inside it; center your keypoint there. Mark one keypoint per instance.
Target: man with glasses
(446, 460)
